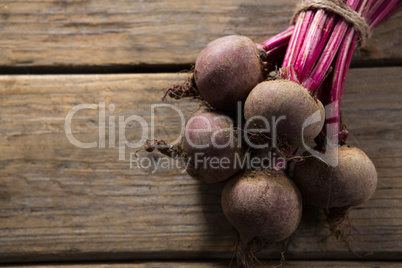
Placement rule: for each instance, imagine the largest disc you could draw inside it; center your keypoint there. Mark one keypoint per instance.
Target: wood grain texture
(59, 202)
(131, 32)
(296, 264)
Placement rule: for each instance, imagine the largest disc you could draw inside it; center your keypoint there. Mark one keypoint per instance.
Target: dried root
(187, 89)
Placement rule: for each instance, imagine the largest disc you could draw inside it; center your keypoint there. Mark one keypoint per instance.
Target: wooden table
(61, 203)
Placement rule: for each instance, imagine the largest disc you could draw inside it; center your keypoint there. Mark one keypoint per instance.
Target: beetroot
(352, 182)
(290, 105)
(226, 71)
(211, 143)
(263, 206)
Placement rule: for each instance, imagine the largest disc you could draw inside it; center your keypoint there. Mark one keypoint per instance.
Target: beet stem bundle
(323, 43)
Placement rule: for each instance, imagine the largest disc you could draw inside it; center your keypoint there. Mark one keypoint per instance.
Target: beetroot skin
(352, 182)
(211, 162)
(263, 207)
(226, 71)
(290, 101)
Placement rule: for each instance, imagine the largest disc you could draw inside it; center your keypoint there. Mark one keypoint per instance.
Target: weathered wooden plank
(62, 202)
(127, 32)
(297, 264)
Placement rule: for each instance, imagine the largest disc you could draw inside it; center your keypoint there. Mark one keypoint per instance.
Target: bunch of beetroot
(253, 110)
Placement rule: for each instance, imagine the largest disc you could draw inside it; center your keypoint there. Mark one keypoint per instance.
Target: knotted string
(341, 9)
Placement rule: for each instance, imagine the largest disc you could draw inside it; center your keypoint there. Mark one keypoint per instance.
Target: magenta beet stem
(278, 40)
(310, 43)
(329, 53)
(382, 13)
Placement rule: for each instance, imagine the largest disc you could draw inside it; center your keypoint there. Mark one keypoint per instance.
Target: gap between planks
(220, 264)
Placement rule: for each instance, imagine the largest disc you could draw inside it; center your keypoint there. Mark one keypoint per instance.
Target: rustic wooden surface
(62, 202)
(128, 32)
(298, 264)
(59, 202)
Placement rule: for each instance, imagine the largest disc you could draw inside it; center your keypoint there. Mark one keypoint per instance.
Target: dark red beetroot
(263, 207)
(290, 105)
(226, 71)
(212, 144)
(352, 182)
